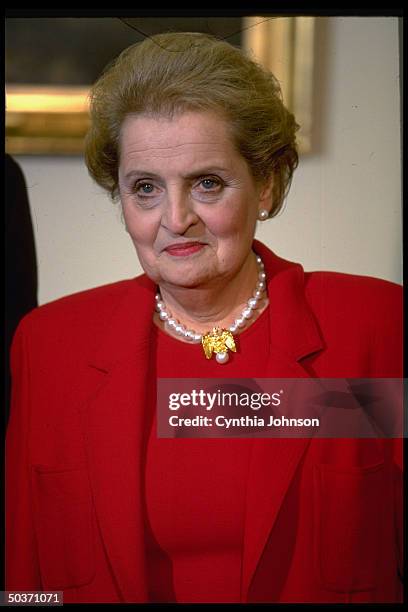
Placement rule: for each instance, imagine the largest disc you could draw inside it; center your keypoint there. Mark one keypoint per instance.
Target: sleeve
(388, 312)
(389, 364)
(399, 504)
(22, 571)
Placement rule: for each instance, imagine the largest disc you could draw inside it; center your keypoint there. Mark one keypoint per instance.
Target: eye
(143, 188)
(210, 184)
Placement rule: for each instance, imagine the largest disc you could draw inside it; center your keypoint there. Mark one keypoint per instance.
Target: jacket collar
(294, 330)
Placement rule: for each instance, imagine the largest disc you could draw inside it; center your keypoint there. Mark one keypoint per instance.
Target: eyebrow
(194, 174)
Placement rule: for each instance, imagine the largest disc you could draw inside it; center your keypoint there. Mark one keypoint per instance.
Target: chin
(187, 279)
(186, 282)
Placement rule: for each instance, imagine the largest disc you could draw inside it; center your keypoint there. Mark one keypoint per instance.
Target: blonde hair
(174, 72)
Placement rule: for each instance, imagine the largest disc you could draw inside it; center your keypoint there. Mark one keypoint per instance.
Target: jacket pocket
(348, 520)
(63, 514)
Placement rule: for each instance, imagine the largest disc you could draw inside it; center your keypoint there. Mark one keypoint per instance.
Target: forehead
(188, 134)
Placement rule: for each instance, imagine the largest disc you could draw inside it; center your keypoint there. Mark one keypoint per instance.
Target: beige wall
(343, 212)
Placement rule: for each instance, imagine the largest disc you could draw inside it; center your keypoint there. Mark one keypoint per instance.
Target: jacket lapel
(114, 422)
(294, 335)
(272, 468)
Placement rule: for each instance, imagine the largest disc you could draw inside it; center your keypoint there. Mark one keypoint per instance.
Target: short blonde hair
(173, 72)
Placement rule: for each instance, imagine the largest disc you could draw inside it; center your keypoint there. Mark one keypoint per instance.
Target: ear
(265, 194)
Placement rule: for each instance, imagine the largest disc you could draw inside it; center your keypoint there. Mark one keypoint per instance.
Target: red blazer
(324, 516)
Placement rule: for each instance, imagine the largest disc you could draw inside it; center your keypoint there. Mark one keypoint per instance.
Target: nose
(179, 213)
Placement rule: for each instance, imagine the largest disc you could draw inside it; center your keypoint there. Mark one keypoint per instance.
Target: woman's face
(189, 201)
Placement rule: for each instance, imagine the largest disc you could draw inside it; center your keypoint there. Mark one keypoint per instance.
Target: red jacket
(327, 529)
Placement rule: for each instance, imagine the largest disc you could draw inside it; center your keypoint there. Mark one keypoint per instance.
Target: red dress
(195, 489)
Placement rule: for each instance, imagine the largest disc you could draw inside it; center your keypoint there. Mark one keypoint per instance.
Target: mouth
(184, 249)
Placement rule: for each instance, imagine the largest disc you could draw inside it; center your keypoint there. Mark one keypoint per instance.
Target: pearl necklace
(219, 340)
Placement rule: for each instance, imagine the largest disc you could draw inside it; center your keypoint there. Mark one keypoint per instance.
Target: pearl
(160, 305)
(163, 315)
(198, 337)
(262, 276)
(180, 329)
(260, 285)
(257, 294)
(222, 357)
(247, 313)
(172, 323)
(240, 322)
(252, 303)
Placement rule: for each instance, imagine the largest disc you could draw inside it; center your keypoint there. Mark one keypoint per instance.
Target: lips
(183, 249)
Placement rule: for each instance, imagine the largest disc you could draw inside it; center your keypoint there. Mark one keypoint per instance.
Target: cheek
(142, 228)
(235, 221)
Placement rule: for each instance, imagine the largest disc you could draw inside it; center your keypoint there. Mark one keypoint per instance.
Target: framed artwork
(51, 63)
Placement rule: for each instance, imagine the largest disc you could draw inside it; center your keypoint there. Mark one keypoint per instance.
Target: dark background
(74, 51)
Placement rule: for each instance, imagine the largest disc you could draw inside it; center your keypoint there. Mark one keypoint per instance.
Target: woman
(194, 140)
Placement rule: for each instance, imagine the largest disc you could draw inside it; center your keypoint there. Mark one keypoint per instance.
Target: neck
(202, 308)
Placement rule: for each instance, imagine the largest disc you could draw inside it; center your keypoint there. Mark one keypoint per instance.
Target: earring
(263, 214)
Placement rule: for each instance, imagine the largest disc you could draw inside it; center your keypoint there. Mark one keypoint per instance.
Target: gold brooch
(218, 341)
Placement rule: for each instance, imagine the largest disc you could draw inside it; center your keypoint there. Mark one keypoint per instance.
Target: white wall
(343, 211)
